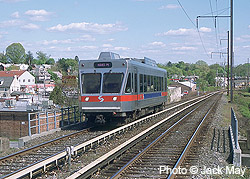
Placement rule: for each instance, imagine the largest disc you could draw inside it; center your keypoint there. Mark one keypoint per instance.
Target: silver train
(124, 88)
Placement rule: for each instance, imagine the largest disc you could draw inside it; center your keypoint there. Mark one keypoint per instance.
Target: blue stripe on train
(152, 95)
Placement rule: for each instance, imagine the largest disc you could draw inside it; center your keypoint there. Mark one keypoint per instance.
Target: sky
(163, 30)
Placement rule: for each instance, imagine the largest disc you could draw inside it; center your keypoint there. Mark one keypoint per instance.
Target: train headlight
(114, 98)
(87, 99)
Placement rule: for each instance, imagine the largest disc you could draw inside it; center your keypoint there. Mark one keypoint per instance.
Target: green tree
(53, 75)
(15, 53)
(29, 58)
(3, 58)
(41, 58)
(201, 63)
(67, 64)
(57, 95)
(210, 77)
(50, 61)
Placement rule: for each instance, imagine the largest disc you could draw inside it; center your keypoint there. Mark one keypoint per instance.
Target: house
(58, 74)
(4, 66)
(185, 86)
(22, 66)
(25, 79)
(41, 74)
(8, 84)
(190, 85)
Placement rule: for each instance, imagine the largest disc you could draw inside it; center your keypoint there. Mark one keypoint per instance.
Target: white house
(8, 84)
(25, 79)
(27, 82)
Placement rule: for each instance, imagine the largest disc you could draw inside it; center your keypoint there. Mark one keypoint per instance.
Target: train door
(136, 86)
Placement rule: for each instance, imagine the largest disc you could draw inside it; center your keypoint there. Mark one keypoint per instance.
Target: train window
(155, 83)
(112, 82)
(136, 82)
(152, 84)
(141, 83)
(145, 83)
(132, 82)
(91, 83)
(149, 84)
(128, 88)
(166, 85)
(159, 83)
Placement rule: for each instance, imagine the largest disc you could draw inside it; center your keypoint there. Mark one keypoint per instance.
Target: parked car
(185, 92)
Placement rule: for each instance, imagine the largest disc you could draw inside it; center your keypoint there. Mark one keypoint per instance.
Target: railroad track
(21, 159)
(166, 151)
(130, 147)
(26, 163)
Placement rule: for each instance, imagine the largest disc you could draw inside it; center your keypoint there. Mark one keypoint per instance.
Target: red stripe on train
(118, 98)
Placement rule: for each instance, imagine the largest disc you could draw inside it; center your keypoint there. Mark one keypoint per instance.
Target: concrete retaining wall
(174, 94)
(4, 144)
(236, 151)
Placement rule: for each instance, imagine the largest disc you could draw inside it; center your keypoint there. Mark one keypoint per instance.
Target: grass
(243, 102)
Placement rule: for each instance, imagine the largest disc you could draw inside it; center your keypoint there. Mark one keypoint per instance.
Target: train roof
(112, 56)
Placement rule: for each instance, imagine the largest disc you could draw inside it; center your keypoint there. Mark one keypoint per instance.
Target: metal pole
(228, 63)
(29, 124)
(231, 48)
(247, 72)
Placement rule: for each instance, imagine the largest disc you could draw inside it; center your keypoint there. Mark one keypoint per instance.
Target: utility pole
(228, 63)
(247, 72)
(230, 47)
(228, 43)
(231, 50)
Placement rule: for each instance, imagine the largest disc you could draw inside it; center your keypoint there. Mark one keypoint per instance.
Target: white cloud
(30, 26)
(170, 6)
(88, 47)
(86, 38)
(158, 44)
(89, 27)
(107, 45)
(205, 29)
(121, 48)
(247, 46)
(15, 14)
(1, 36)
(184, 48)
(110, 40)
(41, 12)
(243, 38)
(11, 23)
(38, 15)
(181, 31)
(68, 41)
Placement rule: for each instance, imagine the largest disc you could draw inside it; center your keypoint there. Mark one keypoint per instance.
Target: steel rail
(108, 157)
(118, 173)
(21, 152)
(44, 162)
(189, 144)
(24, 151)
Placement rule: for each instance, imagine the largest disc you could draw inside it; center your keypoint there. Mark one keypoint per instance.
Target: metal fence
(52, 119)
(234, 125)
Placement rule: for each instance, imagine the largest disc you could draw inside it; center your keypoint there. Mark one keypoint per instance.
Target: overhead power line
(195, 27)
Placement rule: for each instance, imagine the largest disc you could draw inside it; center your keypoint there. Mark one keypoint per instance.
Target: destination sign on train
(102, 64)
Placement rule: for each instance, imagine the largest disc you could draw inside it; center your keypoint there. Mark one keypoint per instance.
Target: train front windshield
(112, 82)
(91, 82)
